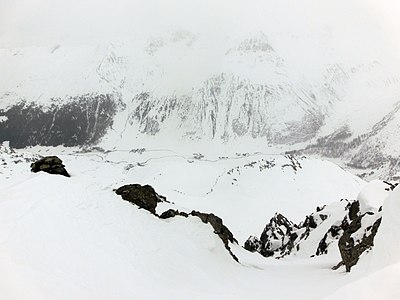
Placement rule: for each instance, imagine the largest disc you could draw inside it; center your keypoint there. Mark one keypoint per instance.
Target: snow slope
(388, 237)
(380, 285)
(74, 237)
(215, 91)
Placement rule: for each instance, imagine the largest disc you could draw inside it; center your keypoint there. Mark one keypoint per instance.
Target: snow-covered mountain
(212, 149)
(314, 85)
(122, 94)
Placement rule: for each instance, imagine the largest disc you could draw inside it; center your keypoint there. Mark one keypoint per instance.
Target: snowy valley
(207, 150)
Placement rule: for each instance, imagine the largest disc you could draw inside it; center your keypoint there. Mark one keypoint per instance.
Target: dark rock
(322, 246)
(353, 239)
(146, 197)
(143, 196)
(336, 231)
(332, 234)
(281, 236)
(253, 244)
(323, 217)
(170, 213)
(392, 186)
(353, 232)
(310, 222)
(277, 236)
(51, 165)
(337, 266)
(216, 222)
(294, 163)
(354, 210)
(183, 214)
(351, 249)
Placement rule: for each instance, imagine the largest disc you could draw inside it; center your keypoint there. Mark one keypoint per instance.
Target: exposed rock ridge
(146, 197)
(352, 232)
(209, 218)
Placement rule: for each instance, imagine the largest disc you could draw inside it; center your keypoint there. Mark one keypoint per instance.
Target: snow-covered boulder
(372, 195)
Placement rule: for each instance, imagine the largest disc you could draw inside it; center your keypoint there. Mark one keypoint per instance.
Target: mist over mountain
(230, 74)
(211, 147)
(308, 75)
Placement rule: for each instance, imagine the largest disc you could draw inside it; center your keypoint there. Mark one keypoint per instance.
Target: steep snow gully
(73, 237)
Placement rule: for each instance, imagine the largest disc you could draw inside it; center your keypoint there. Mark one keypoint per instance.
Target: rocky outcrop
(334, 233)
(146, 197)
(143, 196)
(280, 236)
(51, 165)
(253, 244)
(352, 232)
(355, 234)
(216, 222)
(170, 213)
(355, 239)
(209, 218)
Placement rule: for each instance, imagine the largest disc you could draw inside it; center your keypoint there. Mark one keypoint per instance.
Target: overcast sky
(24, 21)
(368, 26)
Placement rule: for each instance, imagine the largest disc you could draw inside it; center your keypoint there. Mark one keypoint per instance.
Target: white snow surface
(387, 242)
(373, 195)
(63, 238)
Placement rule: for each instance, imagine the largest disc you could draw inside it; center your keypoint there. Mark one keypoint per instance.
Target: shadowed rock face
(82, 120)
(51, 165)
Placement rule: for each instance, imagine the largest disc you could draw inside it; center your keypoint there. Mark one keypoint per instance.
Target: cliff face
(228, 107)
